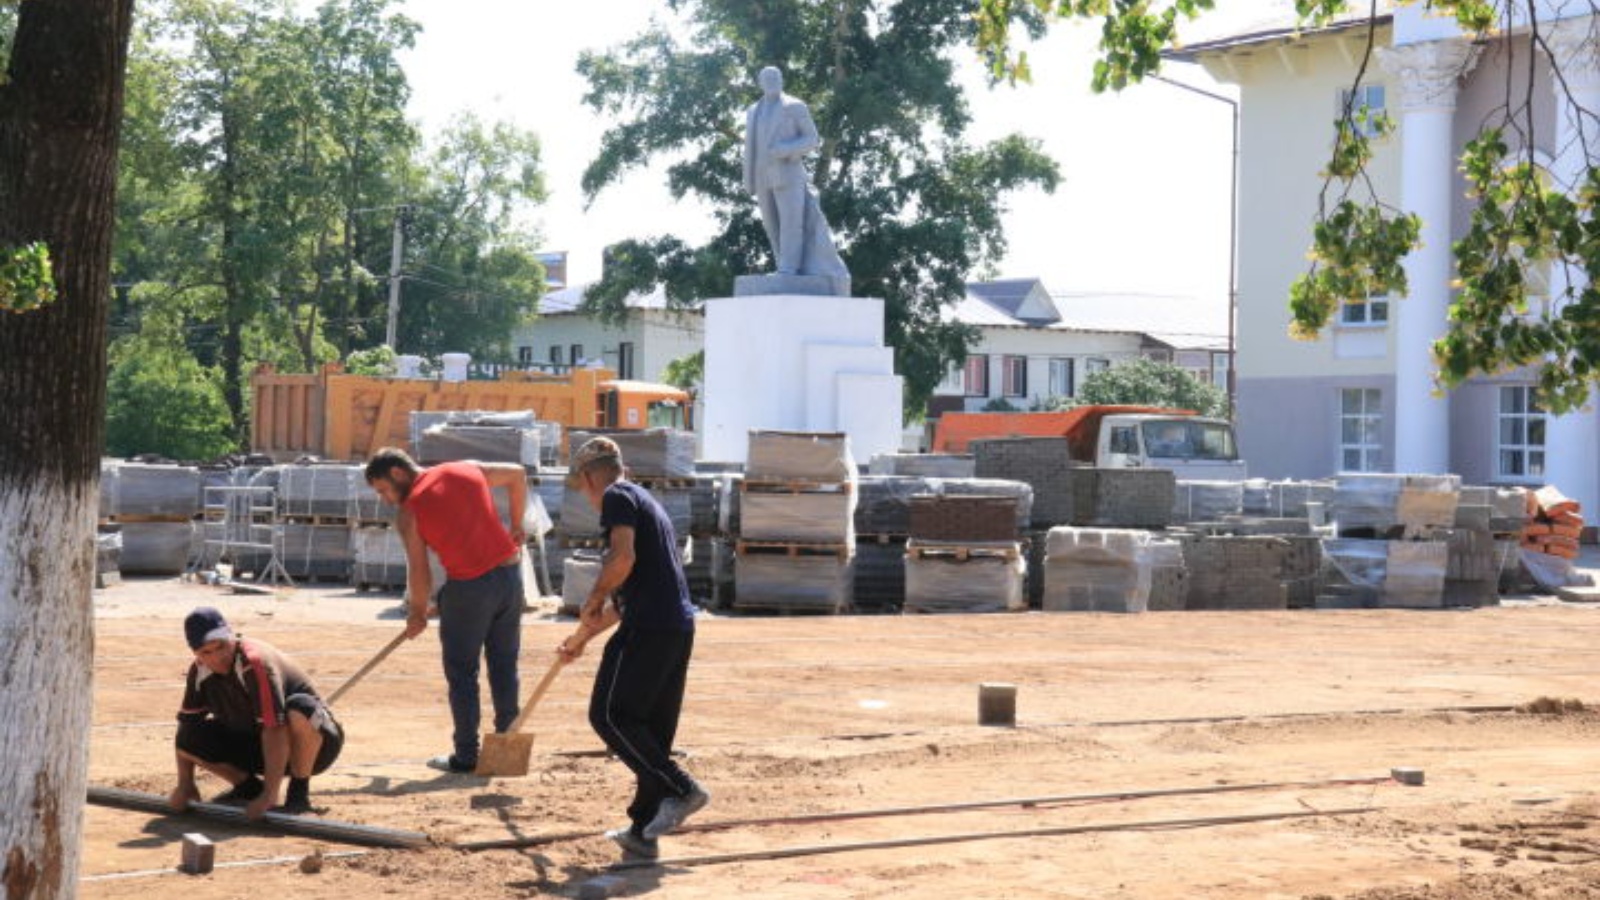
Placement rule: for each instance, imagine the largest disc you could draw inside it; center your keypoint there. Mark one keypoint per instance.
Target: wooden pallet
(670, 482)
(140, 520)
(792, 549)
(888, 538)
(769, 486)
(961, 552)
(318, 520)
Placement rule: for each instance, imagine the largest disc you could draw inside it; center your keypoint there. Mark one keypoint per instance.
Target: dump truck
(339, 416)
(1111, 437)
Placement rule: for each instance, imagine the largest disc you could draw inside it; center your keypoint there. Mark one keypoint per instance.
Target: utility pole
(402, 215)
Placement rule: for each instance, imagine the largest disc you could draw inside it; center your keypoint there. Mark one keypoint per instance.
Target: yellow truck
(339, 416)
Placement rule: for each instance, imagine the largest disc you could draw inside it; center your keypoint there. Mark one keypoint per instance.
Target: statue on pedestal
(779, 133)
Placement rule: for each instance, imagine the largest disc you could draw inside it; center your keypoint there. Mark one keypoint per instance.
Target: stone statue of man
(779, 133)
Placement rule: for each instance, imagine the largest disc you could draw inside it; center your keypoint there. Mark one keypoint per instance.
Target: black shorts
(215, 742)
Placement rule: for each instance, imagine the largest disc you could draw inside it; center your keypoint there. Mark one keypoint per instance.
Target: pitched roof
(1275, 20)
(1180, 322)
(567, 300)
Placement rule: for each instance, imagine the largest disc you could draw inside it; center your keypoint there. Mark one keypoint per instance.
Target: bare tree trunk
(59, 120)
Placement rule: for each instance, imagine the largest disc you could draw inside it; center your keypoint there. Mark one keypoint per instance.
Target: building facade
(1363, 396)
(640, 348)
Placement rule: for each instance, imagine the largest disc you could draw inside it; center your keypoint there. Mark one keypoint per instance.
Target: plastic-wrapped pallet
(1414, 575)
(722, 577)
(650, 453)
(330, 491)
(1207, 501)
(705, 504)
(156, 548)
(378, 558)
(926, 465)
(1352, 573)
(108, 556)
(547, 433)
(819, 517)
(977, 584)
(779, 582)
(140, 489)
(1366, 500)
(1122, 498)
(1285, 499)
(579, 519)
(483, 443)
(1428, 501)
(989, 487)
(1041, 462)
(822, 457)
(697, 568)
(1302, 564)
(1169, 580)
(579, 572)
(1096, 570)
(963, 517)
(316, 551)
(884, 507)
(880, 576)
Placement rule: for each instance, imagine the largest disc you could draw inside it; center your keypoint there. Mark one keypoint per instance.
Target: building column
(1427, 74)
(1572, 441)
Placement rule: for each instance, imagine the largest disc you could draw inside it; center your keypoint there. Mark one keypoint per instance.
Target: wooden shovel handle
(370, 665)
(537, 695)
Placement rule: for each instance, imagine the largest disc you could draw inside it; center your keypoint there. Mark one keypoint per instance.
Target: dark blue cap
(205, 625)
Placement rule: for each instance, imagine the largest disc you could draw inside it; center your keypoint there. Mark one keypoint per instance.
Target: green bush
(1148, 383)
(165, 402)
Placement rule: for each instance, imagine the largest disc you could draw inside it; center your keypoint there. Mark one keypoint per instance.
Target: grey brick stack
(1122, 498)
(1206, 501)
(1040, 462)
(1096, 570)
(1227, 572)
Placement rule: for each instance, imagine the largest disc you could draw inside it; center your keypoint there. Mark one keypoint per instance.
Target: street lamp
(1233, 229)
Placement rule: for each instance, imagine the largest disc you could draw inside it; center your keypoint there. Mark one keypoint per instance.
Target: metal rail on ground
(304, 826)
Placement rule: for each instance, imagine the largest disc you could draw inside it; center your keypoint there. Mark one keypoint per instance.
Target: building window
(524, 356)
(1520, 439)
(1360, 430)
(1094, 365)
(556, 358)
(1367, 109)
(953, 381)
(576, 359)
(625, 359)
(1061, 377)
(977, 375)
(1014, 371)
(1219, 370)
(1373, 311)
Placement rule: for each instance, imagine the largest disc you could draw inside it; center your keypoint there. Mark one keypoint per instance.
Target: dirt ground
(1304, 713)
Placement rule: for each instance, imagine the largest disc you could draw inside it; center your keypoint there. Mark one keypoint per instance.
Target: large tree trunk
(59, 119)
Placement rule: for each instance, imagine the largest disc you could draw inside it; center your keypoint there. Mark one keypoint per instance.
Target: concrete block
(199, 854)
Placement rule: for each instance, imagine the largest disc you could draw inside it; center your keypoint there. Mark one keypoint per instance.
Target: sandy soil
(795, 716)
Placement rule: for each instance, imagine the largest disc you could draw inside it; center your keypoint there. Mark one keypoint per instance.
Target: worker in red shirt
(449, 509)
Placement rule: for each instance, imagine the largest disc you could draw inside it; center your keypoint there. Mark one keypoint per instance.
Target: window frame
(1531, 413)
(1369, 416)
(975, 375)
(1056, 364)
(1013, 376)
(625, 359)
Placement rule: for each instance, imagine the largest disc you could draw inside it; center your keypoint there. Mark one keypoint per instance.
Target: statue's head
(770, 79)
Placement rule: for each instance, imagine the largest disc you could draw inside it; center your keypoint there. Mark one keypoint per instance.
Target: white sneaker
(633, 845)
(674, 810)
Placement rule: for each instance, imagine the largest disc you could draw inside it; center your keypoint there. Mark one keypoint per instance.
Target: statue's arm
(803, 140)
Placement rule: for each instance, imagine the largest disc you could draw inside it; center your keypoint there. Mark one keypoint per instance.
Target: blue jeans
(484, 614)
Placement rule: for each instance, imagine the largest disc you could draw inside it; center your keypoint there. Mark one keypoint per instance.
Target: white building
(640, 348)
(1362, 398)
(1035, 346)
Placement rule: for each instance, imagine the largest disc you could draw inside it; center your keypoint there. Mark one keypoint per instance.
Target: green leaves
(1356, 254)
(1149, 383)
(26, 280)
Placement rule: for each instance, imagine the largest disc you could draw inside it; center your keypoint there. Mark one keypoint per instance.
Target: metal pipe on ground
(303, 826)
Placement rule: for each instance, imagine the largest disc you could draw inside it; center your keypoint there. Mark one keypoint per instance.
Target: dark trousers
(483, 615)
(638, 694)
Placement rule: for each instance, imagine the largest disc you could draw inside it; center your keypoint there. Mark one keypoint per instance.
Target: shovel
(362, 672)
(506, 755)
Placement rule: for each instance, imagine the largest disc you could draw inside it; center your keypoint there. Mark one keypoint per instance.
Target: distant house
(1034, 347)
(1362, 397)
(563, 336)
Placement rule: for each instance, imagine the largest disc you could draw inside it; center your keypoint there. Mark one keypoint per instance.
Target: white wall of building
(657, 336)
(1039, 346)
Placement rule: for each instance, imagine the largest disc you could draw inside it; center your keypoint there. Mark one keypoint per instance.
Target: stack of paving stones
(1286, 499)
(925, 465)
(156, 506)
(1043, 464)
(1169, 578)
(1394, 506)
(546, 435)
(1300, 563)
(1366, 573)
(1206, 501)
(1236, 572)
(796, 523)
(483, 443)
(882, 526)
(1096, 570)
(1472, 572)
(318, 508)
(580, 570)
(1122, 498)
(378, 558)
(661, 460)
(107, 555)
(1410, 520)
(964, 555)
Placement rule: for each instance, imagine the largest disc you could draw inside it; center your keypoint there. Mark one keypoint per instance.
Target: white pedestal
(792, 362)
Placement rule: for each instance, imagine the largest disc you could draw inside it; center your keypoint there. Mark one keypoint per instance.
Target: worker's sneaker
(634, 845)
(241, 793)
(452, 763)
(674, 810)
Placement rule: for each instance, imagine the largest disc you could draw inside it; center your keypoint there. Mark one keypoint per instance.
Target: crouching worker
(250, 716)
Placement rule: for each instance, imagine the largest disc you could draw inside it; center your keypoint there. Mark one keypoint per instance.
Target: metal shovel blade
(506, 755)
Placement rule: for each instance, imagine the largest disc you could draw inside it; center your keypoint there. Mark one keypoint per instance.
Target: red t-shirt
(454, 512)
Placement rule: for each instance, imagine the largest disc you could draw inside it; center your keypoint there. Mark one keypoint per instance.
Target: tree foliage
(159, 400)
(1149, 383)
(267, 160)
(914, 206)
(1519, 225)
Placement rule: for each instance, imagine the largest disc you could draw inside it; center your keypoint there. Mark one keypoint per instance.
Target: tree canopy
(1149, 383)
(914, 206)
(1519, 221)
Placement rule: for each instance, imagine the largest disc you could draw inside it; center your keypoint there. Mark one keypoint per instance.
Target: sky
(1143, 206)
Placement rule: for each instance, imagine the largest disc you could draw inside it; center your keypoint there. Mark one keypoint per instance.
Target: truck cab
(642, 404)
(1194, 448)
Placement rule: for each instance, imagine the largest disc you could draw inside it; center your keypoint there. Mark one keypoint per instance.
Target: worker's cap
(593, 450)
(205, 625)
